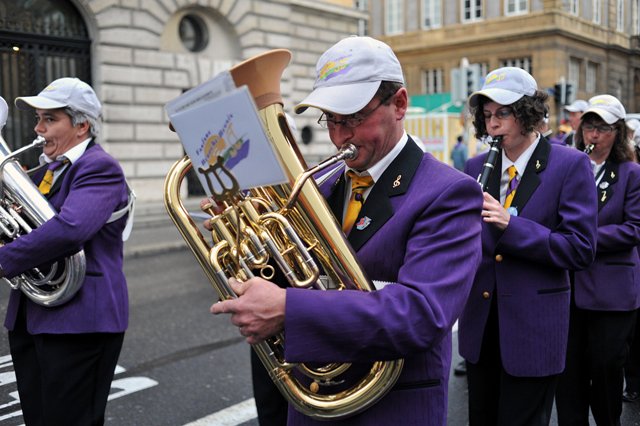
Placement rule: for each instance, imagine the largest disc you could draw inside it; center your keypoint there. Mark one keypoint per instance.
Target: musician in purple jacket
(65, 356)
(539, 223)
(607, 294)
(418, 232)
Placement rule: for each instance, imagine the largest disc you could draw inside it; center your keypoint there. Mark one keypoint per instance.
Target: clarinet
(490, 163)
(589, 148)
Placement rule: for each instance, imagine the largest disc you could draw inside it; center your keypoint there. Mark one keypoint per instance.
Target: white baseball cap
(505, 86)
(64, 92)
(633, 123)
(349, 74)
(607, 107)
(577, 106)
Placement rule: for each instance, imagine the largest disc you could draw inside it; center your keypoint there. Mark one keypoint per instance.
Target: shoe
(461, 370)
(630, 396)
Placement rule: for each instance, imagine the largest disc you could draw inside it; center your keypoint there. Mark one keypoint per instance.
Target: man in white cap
(64, 356)
(539, 223)
(414, 225)
(575, 110)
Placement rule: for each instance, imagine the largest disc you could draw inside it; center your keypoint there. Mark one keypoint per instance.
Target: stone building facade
(146, 52)
(593, 45)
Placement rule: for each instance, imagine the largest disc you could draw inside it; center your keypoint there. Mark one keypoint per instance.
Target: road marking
(230, 416)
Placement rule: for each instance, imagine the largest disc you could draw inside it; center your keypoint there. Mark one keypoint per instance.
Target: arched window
(40, 40)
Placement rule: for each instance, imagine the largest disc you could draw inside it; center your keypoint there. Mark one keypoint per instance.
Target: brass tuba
(293, 225)
(22, 209)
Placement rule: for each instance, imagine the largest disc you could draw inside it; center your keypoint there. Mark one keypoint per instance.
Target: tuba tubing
(315, 225)
(22, 209)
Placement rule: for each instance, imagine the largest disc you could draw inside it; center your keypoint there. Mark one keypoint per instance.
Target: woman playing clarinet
(538, 224)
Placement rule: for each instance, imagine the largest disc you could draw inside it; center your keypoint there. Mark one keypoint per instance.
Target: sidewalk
(153, 231)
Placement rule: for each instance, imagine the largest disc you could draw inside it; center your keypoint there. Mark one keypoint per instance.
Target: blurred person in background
(575, 111)
(460, 153)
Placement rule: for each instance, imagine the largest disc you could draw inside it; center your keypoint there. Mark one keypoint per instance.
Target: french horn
(22, 209)
(292, 224)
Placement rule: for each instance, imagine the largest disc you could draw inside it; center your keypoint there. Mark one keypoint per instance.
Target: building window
(591, 77)
(433, 82)
(620, 16)
(363, 24)
(431, 14)
(635, 30)
(516, 7)
(524, 63)
(574, 7)
(193, 32)
(574, 71)
(471, 10)
(394, 16)
(597, 7)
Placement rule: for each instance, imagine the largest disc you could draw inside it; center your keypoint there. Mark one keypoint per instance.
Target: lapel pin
(604, 185)
(604, 196)
(538, 165)
(363, 223)
(396, 183)
(613, 175)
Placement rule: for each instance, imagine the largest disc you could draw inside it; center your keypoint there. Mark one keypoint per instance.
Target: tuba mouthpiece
(348, 152)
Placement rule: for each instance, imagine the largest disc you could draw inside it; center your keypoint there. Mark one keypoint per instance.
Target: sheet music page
(226, 130)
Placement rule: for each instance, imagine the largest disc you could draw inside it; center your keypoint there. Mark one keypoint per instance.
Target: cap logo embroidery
(334, 68)
(495, 78)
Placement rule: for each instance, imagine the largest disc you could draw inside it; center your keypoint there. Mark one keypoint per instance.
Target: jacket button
(485, 294)
(498, 258)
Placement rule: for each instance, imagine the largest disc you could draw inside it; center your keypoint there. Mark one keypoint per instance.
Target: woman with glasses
(606, 295)
(538, 224)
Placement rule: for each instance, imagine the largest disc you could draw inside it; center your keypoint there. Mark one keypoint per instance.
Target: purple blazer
(85, 196)
(612, 282)
(424, 238)
(524, 269)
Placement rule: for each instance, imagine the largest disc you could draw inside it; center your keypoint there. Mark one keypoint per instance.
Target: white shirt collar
(521, 162)
(72, 155)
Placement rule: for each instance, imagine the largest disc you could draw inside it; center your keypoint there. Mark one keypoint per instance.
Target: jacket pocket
(417, 384)
(554, 290)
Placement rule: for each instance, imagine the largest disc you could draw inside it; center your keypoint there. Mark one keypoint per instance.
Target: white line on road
(230, 416)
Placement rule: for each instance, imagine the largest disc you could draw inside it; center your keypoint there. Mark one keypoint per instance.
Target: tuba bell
(22, 209)
(293, 225)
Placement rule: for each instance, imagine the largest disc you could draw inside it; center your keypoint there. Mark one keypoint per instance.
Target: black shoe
(630, 396)
(461, 369)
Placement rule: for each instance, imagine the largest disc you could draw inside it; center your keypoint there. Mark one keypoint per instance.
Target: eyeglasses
(326, 121)
(603, 128)
(501, 114)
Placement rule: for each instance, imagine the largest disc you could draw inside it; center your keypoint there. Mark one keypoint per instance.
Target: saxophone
(292, 224)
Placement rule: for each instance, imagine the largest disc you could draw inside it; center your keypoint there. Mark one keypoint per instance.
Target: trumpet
(589, 148)
(490, 163)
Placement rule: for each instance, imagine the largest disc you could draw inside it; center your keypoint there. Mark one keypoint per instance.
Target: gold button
(485, 294)
(498, 258)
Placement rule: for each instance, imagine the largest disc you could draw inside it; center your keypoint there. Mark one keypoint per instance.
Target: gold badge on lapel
(396, 183)
(604, 196)
(613, 175)
(538, 165)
